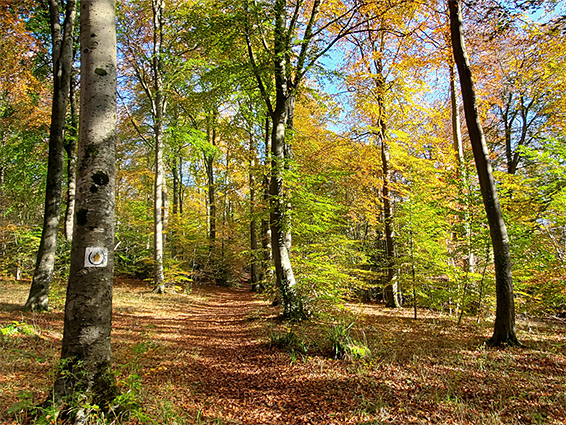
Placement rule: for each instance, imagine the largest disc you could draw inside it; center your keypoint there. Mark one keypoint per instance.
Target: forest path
(205, 358)
(208, 352)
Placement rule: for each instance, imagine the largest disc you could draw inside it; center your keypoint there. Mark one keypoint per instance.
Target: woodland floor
(206, 358)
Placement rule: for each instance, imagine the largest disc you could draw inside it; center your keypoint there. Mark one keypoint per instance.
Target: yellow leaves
(155, 370)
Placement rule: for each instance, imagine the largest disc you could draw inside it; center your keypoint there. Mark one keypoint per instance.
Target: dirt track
(212, 355)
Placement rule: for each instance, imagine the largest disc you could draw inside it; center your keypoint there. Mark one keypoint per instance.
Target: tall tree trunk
(461, 172)
(266, 271)
(390, 289)
(283, 269)
(158, 7)
(209, 157)
(211, 192)
(253, 221)
(290, 129)
(175, 173)
(165, 214)
(175, 209)
(288, 71)
(504, 327)
(180, 187)
(71, 148)
(279, 226)
(62, 64)
(85, 354)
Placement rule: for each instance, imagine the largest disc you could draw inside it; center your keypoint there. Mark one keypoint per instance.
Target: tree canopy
(397, 151)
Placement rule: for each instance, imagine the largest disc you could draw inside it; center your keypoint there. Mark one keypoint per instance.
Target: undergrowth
(328, 339)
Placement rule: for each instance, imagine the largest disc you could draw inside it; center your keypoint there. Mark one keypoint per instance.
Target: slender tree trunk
(461, 172)
(253, 221)
(166, 205)
(71, 148)
(390, 290)
(287, 75)
(175, 209)
(159, 284)
(86, 360)
(288, 158)
(211, 191)
(267, 272)
(211, 183)
(62, 64)
(175, 173)
(254, 279)
(158, 7)
(180, 186)
(504, 327)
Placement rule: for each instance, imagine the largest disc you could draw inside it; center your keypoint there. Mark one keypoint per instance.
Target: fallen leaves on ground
(204, 358)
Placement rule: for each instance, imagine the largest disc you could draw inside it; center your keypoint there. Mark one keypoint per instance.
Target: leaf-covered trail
(210, 356)
(204, 358)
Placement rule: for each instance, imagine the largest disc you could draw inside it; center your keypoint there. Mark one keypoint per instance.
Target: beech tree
(301, 34)
(504, 328)
(375, 60)
(62, 47)
(158, 103)
(85, 355)
(146, 59)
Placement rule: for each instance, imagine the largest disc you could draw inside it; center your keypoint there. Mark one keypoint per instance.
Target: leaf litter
(205, 358)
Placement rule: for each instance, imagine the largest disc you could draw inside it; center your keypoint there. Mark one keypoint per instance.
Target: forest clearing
(210, 357)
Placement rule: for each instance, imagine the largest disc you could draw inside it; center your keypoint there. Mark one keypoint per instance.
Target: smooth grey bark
(158, 107)
(288, 155)
(62, 45)
(278, 223)
(86, 361)
(504, 326)
(151, 81)
(462, 177)
(71, 150)
(298, 43)
(461, 172)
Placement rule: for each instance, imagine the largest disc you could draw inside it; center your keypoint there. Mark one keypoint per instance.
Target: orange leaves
(22, 97)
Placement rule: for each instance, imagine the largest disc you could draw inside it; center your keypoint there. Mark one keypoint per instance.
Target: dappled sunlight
(205, 356)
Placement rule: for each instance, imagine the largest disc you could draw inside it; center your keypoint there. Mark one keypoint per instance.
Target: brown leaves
(203, 358)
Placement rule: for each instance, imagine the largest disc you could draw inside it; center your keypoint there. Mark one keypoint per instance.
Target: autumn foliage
(333, 135)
